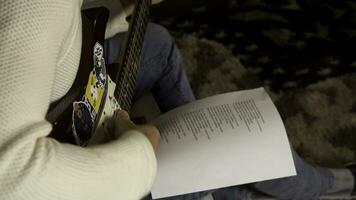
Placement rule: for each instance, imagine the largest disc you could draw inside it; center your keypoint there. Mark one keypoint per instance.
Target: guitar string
(125, 97)
(130, 64)
(135, 52)
(137, 42)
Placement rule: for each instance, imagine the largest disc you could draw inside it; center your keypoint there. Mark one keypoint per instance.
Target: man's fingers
(122, 114)
(123, 122)
(152, 134)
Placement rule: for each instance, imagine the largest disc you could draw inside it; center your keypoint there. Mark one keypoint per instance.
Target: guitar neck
(130, 58)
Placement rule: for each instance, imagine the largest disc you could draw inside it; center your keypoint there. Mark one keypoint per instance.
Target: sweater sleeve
(36, 38)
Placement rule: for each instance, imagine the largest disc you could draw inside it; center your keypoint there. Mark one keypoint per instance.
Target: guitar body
(84, 116)
(60, 112)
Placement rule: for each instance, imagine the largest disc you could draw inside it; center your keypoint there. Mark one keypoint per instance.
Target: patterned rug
(302, 51)
(320, 118)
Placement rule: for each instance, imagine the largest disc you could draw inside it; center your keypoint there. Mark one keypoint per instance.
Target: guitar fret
(129, 86)
(126, 104)
(130, 77)
(128, 89)
(131, 62)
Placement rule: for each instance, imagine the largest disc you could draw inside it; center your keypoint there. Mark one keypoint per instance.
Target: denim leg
(161, 71)
(310, 182)
(192, 196)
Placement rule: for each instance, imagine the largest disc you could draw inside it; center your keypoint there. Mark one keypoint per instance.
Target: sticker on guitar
(86, 111)
(82, 122)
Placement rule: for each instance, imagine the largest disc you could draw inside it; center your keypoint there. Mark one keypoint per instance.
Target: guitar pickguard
(87, 111)
(88, 116)
(105, 127)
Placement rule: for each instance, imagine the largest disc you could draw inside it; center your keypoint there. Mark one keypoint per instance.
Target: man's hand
(123, 124)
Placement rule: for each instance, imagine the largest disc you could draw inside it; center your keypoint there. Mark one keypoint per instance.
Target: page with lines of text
(220, 141)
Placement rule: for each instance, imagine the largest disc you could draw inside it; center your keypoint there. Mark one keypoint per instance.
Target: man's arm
(38, 39)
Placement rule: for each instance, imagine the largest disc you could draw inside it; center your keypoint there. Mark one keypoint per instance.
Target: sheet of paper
(224, 140)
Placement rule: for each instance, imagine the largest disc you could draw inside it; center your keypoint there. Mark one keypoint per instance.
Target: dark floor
(303, 50)
(292, 42)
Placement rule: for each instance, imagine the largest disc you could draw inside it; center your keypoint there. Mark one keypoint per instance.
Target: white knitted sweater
(40, 43)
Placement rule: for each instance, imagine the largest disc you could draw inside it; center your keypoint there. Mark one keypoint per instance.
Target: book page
(220, 141)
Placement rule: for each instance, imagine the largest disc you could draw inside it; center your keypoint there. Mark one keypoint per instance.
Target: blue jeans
(161, 72)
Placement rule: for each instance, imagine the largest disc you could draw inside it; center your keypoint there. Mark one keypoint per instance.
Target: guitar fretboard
(130, 60)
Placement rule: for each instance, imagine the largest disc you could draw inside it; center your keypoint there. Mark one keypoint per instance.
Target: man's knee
(157, 31)
(159, 36)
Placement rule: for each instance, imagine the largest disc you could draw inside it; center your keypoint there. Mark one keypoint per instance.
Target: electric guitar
(84, 115)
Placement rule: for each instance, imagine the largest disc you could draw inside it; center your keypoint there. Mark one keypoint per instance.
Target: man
(39, 56)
